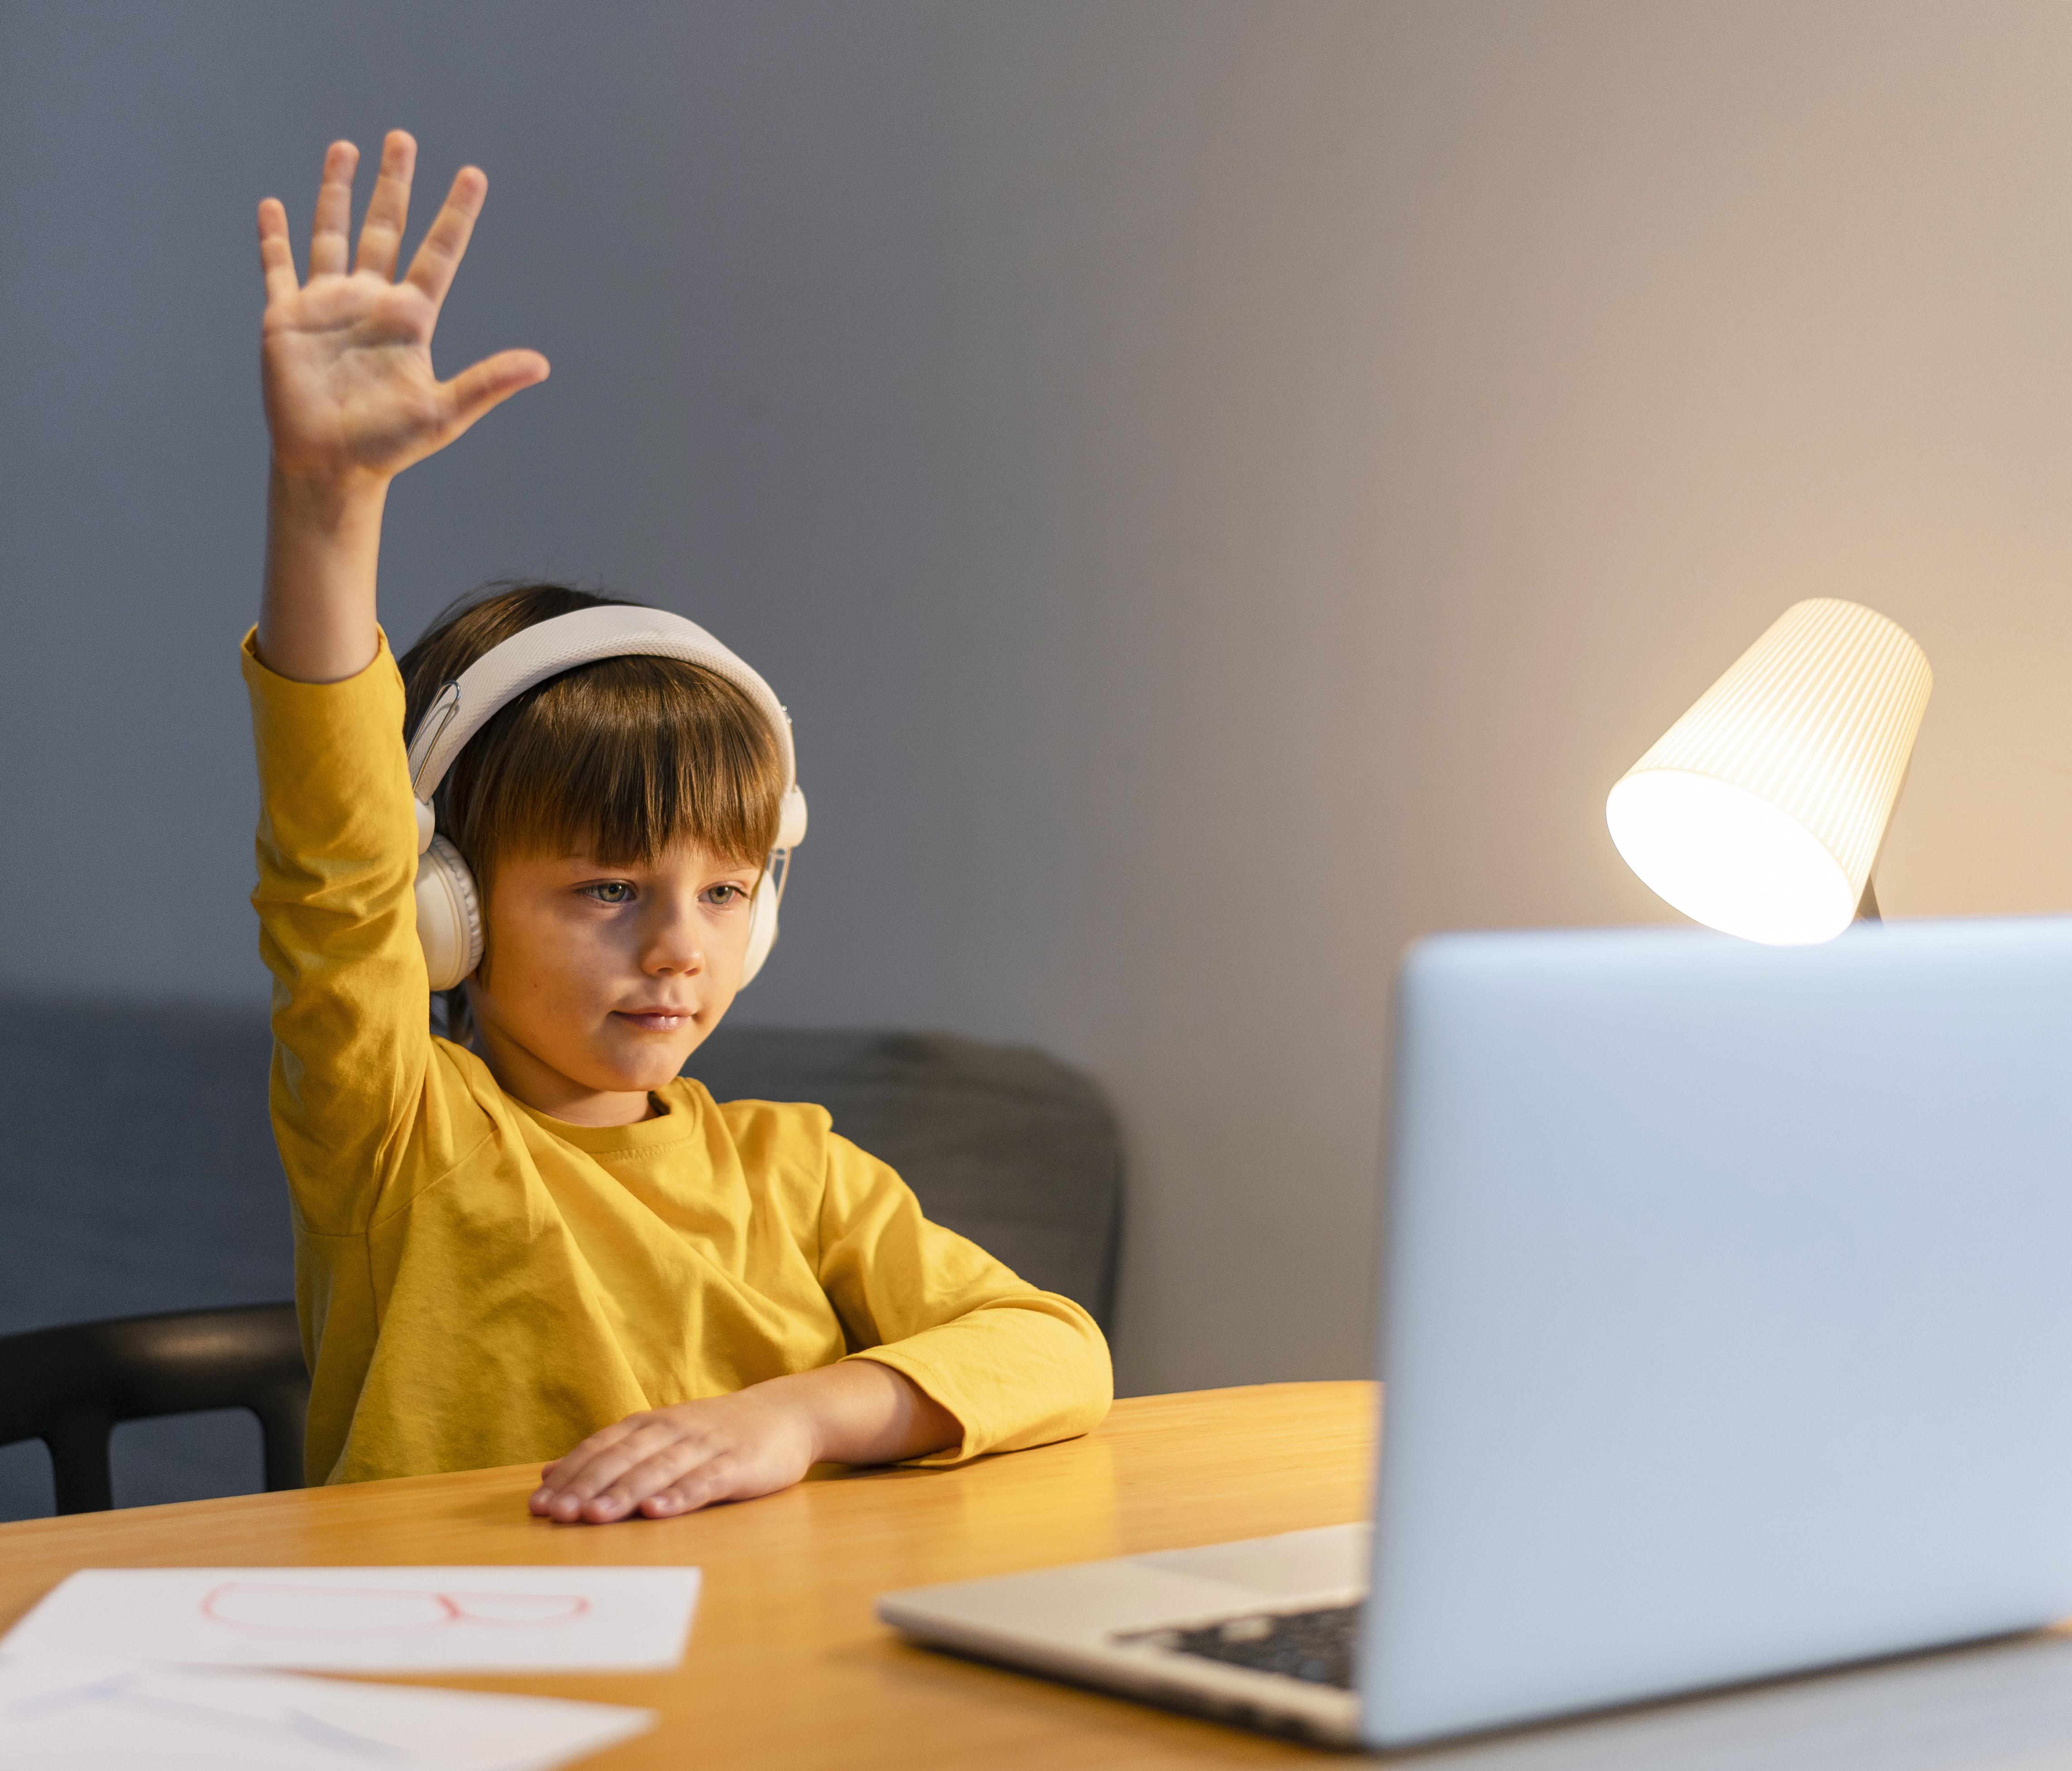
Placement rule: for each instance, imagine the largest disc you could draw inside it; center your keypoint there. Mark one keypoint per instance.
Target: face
(599, 981)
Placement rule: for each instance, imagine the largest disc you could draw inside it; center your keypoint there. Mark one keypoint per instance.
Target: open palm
(345, 358)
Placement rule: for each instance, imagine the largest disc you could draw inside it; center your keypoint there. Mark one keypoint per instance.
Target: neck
(545, 1090)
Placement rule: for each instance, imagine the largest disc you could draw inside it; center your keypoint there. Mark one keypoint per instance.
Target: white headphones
(449, 907)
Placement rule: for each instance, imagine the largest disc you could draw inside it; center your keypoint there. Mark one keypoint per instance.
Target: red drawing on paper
(256, 1604)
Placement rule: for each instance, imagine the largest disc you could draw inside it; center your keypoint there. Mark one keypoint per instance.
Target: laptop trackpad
(1291, 1566)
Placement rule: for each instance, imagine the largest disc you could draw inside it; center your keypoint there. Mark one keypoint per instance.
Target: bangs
(621, 759)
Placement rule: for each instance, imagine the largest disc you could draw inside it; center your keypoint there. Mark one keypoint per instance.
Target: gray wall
(1224, 487)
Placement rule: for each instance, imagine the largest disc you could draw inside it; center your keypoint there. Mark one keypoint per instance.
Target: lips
(655, 1020)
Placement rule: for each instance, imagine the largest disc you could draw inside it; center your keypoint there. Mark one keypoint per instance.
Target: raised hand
(346, 367)
(345, 358)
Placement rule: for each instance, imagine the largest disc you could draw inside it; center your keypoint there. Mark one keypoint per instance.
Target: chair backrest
(138, 1162)
(1000, 1143)
(71, 1387)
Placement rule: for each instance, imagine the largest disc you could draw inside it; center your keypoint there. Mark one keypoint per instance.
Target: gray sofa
(137, 1174)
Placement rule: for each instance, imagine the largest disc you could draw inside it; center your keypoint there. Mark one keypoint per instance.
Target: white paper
(95, 1715)
(409, 1620)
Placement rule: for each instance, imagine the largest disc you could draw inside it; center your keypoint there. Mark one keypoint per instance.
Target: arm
(1012, 1365)
(352, 401)
(958, 1356)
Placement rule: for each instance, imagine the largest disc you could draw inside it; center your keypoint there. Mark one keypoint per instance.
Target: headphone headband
(546, 649)
(450, 924)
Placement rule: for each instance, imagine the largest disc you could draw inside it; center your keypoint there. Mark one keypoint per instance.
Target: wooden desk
(787, 1668)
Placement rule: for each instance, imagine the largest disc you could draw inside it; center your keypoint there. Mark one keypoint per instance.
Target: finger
(570, 1492)
(277, 258)
(389, 209)
(631, 1485)
(537, 1501)
(676, 1462)
(568, 1466)
(572, 1462)
(333, 215)
(445, 243)
(490, 382)
(712, 1480)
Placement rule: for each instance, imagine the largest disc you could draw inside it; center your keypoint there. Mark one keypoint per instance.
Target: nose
(671, 946)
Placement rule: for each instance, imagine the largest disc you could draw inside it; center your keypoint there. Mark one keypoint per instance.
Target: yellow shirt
(480, 1285)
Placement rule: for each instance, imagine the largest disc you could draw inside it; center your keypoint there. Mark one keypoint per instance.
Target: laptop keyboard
(1314, 1646)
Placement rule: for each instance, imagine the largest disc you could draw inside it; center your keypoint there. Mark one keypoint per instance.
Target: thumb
(490, 382)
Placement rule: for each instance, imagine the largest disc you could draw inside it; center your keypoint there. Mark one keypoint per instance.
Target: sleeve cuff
(916, 1373)
(264, 679)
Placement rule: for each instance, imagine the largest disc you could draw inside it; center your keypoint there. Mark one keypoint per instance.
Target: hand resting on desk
(756, 1441)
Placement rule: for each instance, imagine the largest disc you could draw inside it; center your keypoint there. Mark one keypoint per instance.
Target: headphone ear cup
(761, 926)
(449, 916)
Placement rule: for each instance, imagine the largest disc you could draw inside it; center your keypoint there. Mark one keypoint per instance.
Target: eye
(722, 896)
(609, 891)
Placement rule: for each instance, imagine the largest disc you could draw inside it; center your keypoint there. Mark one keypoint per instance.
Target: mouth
(656, 1020)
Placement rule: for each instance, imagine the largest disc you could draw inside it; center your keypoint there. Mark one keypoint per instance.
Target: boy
(544, 1243)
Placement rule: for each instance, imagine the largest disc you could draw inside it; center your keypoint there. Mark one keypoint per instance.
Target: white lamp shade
(1761, 810)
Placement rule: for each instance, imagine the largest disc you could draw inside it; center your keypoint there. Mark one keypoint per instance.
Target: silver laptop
(1727, 1333)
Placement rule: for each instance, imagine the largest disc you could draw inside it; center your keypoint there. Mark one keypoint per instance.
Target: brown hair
(623, 758)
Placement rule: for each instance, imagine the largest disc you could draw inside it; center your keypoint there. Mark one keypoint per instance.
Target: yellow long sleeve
(481, 1284)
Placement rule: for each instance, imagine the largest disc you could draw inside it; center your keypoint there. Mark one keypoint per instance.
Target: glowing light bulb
(1761, 812)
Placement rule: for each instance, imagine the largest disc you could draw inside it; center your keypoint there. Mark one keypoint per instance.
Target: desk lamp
(1761, 812)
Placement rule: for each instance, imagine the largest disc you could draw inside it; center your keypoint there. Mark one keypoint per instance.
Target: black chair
(71, 1387)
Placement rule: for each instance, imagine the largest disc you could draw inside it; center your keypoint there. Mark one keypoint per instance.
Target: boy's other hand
(677, 1459)
(346, 357)
(756, 1441)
